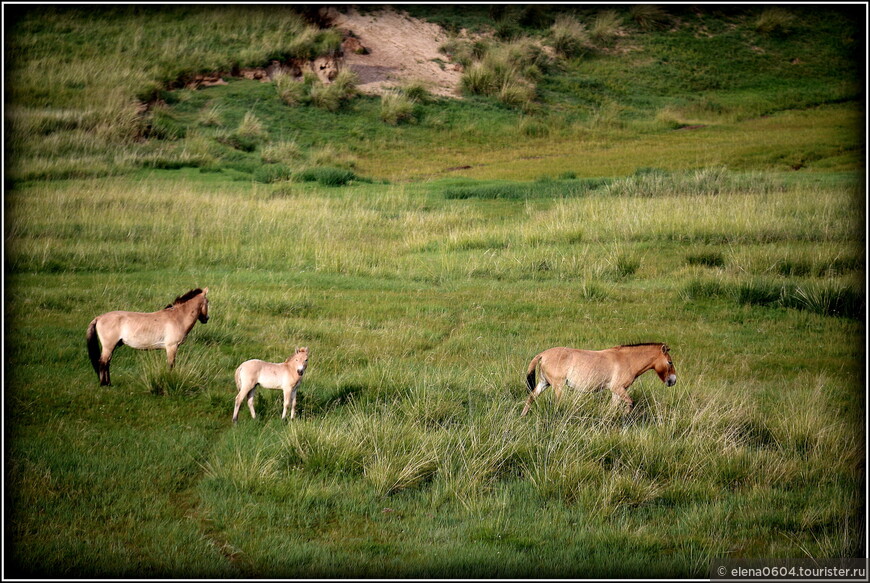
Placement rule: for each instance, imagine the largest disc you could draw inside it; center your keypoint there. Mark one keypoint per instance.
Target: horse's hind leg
(251, 401)
(105, 360)
(239, 398)
(542, 385)
(244, 394)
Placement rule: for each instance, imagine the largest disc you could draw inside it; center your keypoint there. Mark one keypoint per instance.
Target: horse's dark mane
(639, 344)
(185, 297)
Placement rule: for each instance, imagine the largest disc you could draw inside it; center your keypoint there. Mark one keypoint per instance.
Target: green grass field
(422, 291)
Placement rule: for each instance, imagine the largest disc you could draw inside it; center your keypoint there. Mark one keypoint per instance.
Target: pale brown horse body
(286, 376)
(594, 370)
(166, 328)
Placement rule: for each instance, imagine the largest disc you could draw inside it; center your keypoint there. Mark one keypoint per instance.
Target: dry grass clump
(605, 28)
(649, 17)
(775, 21)
(310, 90)
(570, 37)
(508, 72)
(396, 108)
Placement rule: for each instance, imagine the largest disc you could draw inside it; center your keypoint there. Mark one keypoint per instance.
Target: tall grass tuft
(333, 96)
(829, 299)
(775, 21)
(605, 28)
(569, 37)
(416, 91)
(396, 108)
(285, 152)
(251, 127)
(326, 176)
(507, 72)
(649, 17)
(211, 116)
(185, 379)
(826, 298)
(710, 181)
(291, 91)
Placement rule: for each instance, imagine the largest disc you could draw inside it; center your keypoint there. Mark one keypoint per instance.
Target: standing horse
(594, 370)
(166, 328)
(286, 376)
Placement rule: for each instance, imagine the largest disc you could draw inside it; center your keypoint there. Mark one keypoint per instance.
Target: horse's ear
(205, 291)
(665, 348)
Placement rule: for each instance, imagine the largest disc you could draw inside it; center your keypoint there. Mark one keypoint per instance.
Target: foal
(286, 376)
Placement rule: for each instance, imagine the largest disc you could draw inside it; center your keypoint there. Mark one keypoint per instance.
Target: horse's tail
(94, 345)
(530, 373)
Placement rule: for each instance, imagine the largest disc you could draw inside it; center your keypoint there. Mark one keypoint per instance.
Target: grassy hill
(80, 78)
(689, 175)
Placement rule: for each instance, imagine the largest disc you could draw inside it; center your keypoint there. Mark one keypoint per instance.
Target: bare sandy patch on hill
(400, 49)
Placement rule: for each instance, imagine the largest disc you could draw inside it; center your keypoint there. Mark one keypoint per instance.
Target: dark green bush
(326, 175)
(272, 173)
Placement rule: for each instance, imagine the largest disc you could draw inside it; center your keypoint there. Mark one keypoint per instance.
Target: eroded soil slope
(389, 48)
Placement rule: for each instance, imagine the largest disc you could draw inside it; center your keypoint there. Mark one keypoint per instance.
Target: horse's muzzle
(672, 380)
(203, 319)
(301, 371)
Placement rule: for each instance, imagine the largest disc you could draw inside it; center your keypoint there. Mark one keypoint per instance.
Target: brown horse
(166, 328)
(286, 376)
(594, 370)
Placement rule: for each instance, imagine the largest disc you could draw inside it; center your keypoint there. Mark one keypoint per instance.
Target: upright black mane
(183, 298)
(639, 344)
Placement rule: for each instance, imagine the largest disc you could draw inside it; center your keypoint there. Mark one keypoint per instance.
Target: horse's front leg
(292, 402)
(621, 394)
(171, 350)
(287, 393)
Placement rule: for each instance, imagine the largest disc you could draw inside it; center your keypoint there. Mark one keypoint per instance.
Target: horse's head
(203, 307)
(299, 360)
(664, 367)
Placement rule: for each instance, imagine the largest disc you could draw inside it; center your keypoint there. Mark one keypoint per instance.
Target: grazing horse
(286, 376)
(594, 370)
(166, 329)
